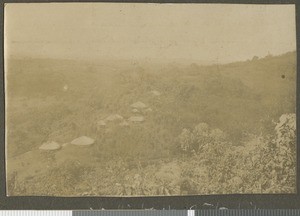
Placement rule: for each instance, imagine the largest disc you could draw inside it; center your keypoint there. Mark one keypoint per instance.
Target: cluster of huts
(137, 108)
(80, 141)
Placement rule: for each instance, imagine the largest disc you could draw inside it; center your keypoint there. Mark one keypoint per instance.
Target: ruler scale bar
(248, 212)
(206, 212)
(35, 213)
(133, 213)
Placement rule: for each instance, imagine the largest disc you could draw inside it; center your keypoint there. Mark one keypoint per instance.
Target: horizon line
(167, 60)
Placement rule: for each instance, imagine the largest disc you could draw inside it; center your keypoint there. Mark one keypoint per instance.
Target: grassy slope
(238, 98)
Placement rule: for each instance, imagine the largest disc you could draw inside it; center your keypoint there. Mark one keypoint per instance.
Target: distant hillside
(164, 129)
(239, 98)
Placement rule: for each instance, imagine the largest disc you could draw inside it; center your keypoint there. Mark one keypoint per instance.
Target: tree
(185, 140)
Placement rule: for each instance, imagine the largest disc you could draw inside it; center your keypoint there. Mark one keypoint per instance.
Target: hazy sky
(203, 32)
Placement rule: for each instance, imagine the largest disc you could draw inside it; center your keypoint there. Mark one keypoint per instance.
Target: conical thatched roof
(149, 109)
(114, 117)
(135, 110)
(136, 119)
(138, 105)
(50, 146)
(101, 123)
(83, 141)
(156, 93)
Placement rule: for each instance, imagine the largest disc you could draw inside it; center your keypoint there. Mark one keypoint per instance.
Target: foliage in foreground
(262, 165)
(209, 164)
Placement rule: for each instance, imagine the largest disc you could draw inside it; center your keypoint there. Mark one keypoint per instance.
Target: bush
(262, 165)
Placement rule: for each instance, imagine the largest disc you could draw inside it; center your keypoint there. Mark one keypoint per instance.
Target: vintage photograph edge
(235, 201)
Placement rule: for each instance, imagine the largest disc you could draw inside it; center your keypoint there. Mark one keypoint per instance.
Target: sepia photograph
(147, 99)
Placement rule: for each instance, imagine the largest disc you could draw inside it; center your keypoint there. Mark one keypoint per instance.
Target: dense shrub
(262, 165)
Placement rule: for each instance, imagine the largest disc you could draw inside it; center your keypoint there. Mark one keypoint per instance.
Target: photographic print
(140, 99)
